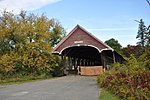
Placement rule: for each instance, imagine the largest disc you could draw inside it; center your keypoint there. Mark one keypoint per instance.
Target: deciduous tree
(114, 44)
(31, 38)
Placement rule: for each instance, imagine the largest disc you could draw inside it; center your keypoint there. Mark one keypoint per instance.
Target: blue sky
(103, 18)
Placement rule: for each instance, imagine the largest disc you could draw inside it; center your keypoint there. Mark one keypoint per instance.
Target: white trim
(78, 42)
(107, 49)
(84, 45)
(95, 48)
(64, 49)
(79, 46)
(55, 52)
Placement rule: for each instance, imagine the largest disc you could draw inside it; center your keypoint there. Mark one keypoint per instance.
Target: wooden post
(80, 62)
(114, 59)
(64, 64)
(83, 62)
(69, 62)
(102, 60)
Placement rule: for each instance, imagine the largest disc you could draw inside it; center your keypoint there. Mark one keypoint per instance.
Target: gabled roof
(94, 37)
(72, 32)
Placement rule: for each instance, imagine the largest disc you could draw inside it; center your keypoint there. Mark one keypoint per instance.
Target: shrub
(130, 81)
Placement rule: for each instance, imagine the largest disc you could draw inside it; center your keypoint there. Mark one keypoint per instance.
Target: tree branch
(148, 2)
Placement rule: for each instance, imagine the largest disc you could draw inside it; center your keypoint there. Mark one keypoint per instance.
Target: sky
(105, 19)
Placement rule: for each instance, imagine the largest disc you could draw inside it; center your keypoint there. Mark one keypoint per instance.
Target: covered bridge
(84, 54)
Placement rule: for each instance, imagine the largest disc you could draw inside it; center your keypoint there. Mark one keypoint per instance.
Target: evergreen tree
(148, 36)
(141, 34)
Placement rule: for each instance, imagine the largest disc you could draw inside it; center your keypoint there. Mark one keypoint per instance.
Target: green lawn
(105, 95)
(19, 80)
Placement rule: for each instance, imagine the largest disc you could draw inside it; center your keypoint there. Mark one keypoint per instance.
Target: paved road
(63, 88)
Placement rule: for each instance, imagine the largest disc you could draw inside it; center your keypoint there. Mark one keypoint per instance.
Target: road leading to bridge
(63, 88)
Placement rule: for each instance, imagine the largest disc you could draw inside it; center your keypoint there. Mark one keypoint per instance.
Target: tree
(141, 34)
(27, 41)
(148, 36)
(132, 50)
(148, 2)
(114, 44)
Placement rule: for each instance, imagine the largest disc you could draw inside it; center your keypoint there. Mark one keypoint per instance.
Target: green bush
(130, 81)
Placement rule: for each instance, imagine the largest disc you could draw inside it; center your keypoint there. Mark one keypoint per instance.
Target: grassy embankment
(23, 79)
(105, 95)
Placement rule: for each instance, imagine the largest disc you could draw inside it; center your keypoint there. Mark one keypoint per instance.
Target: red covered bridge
(84, 54)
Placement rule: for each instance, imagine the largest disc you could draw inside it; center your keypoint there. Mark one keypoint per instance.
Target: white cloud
(27, 5)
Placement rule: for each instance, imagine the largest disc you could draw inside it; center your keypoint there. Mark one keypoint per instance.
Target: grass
(105, 95)
(24, 79)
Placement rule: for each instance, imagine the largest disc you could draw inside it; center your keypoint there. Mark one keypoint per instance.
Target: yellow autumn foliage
(26, 43)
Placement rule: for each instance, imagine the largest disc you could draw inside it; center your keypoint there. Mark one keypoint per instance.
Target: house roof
(78, 27)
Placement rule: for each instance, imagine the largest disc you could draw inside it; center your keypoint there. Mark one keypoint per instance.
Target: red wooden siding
(80, 37)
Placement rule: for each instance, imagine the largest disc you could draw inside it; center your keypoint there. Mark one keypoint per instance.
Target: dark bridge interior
(83, 55)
